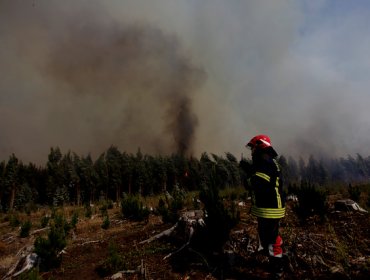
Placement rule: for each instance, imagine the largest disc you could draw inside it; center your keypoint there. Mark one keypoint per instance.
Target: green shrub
(32, 274)
(14, 220)
(109, 203)
(113, 263)
(54, 211)
(25, 229)
(103, 208)
(48, 249)
(169, 209)
(233, 196)
(30, 207)
(106, 223)
(234, 193)
(178, 197)
(88, 211)
(74, 220)
(311, 201)
(163, 210)
(354, 193)
(44, 221)
(105, 205)
(244, 196)
(61, 223)
(169, 213)
(220, 218)
(133, 209)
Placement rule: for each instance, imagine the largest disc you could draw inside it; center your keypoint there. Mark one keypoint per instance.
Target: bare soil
(337, 248)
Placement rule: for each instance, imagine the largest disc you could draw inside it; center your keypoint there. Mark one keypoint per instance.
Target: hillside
(337, 248)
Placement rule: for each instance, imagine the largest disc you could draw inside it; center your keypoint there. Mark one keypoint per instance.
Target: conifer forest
(74, 179)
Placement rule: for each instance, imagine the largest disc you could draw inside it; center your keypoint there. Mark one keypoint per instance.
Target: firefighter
(265, 183)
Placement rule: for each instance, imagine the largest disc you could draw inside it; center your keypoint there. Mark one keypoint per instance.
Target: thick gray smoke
(107, 83)
(137, 67)
(183, 76)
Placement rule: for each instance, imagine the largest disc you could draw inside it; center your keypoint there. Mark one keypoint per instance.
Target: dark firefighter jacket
(266, 186)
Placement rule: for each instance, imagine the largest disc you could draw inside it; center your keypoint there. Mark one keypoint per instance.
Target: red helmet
(260, 142)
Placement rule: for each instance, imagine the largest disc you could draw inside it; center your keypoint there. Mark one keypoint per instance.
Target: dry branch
(90, 242)
(25, 262)
(191, 219)
(167, 232)
(39, 230)
(8, 238)
(141, 270)
(183, 246)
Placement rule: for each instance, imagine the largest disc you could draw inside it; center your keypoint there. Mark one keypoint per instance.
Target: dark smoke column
(137, 78)
(183, 125)
(182, 120)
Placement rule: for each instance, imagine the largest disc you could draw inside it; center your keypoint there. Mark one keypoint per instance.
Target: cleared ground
(335, 249)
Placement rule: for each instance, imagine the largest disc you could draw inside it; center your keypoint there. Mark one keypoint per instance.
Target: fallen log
(26, 261)
(348, 205)
(166, 232)
(191, 232)
(189, 221)
(140, 270)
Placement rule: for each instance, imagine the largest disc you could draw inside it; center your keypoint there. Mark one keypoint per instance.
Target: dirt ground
(337, 248)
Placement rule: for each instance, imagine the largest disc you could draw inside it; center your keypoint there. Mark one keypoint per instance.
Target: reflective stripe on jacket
(266, 192)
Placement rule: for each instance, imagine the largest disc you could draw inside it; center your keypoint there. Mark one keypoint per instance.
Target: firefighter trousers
(271, 242)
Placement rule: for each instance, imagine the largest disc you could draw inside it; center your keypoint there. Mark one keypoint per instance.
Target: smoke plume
(173, 76)
(137, 67)
(105, 83)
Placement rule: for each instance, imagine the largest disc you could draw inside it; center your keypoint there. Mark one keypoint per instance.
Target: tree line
(73, 179)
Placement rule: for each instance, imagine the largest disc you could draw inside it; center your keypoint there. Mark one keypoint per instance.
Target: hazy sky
(184, 75)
